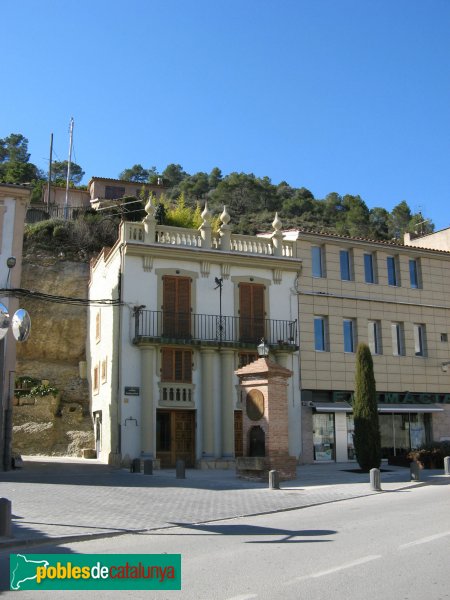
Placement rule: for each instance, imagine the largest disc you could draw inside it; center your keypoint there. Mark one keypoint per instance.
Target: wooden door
(176, 307)
(175, 437)
(251, 312)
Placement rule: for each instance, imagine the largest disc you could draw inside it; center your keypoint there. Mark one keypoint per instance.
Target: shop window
(323, 436)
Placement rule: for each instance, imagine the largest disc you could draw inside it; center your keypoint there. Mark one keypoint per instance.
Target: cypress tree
(367, 440)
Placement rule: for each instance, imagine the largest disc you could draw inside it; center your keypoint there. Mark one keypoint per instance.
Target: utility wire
(30, 294)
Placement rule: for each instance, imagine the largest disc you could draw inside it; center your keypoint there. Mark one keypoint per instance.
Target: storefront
(403, 427)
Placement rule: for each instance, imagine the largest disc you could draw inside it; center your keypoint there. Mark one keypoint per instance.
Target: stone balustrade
(176, 394)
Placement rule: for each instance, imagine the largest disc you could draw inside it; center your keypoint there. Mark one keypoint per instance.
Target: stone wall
(54, 350)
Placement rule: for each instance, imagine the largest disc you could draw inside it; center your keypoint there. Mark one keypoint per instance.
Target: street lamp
(263, 349)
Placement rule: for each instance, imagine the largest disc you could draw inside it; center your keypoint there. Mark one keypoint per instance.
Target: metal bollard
(148, 467)
(135, 465)
(274, 480)
(375, 482)
(447, 465)
(180, 469)
(415, 471)
(5, 517)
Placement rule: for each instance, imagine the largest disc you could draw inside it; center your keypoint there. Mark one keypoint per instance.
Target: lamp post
(263, 349)
(219, 284)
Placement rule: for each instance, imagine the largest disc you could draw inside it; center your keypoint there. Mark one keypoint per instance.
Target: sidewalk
(56, 499)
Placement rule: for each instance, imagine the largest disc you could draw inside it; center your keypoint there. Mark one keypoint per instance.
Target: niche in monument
(256, 441)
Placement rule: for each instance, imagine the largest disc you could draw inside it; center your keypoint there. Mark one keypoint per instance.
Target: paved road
(390, 546)
(70, 498)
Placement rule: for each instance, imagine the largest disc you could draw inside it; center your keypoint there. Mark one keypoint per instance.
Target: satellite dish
(21, 325)
(4, 321)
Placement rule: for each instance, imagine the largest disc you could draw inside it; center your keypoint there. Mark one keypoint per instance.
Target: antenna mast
(66, 203)
(50, 171)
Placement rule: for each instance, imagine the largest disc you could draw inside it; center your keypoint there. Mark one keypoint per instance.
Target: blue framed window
(320, 334)
(392, 270)
(345, 261)
(317, 261)
(398, 347)
(349, 335)
(369, 268)
(414, 273)
(374, 334)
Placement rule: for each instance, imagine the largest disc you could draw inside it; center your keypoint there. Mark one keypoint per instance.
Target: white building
(13, 204)
(194, 306)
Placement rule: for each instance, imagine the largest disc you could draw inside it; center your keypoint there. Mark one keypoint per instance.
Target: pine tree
(367, 440)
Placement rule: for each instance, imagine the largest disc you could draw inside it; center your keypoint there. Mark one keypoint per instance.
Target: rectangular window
(349, 335)
(317, 259)
(369, 268)
(398, 346)
(104, 370)
(113, 192)
(320, 334)
(414, 273)
(95, 379)
(374, 335)
(346, 265)
(98, 322)
(393, 272)
(419, 339)
(176, 365)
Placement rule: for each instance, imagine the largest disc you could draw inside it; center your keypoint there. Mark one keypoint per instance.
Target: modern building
(395, 298)
(13, 205)
(194, 306)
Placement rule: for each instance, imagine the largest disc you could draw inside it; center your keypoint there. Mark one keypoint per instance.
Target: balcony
(151, 326)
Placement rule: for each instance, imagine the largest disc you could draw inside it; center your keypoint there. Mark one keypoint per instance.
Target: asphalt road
(393, 545)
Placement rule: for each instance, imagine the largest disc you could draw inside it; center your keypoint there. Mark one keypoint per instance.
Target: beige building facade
(397, 300)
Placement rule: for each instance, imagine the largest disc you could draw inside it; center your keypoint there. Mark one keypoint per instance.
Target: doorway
(175, 437)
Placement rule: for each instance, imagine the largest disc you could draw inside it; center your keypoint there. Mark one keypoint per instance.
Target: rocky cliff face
(53, 352)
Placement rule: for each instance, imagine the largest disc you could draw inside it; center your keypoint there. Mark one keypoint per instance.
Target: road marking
(355, 563)
(425, 540)
(243, 597)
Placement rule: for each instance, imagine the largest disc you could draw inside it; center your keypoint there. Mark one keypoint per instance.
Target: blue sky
(347, 96)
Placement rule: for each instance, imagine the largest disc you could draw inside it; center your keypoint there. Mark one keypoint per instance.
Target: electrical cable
(32, 295)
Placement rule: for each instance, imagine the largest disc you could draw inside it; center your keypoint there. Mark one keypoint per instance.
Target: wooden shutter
(176, 306)
(251, 310)
(176, 365)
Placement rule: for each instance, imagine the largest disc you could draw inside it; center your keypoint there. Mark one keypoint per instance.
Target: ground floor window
(350, 432)
(403, 432)
(323, 436)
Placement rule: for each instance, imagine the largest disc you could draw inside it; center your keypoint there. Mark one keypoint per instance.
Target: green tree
(400, 219)
(135, 173)
(366, 437)
(14, 148)
(59, 172)
(379, 219)
(173, 175)
(214, 178)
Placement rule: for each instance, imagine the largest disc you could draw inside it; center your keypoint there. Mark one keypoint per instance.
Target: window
(320, 334)
(251, 312)
(444, 337)
(95, 380)
(414, 273)
(419, 339)
(176, 365)
(346, 265)
(349, 335)
(176, 307)
(98, 322)
(104, 370)
(369, 268)
(245, 358)
(393, 271)
(398, 346)
(374, 335)
(318, 263)
(113, 192)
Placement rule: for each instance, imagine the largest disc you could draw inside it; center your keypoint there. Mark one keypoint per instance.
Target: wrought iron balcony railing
(152, 324)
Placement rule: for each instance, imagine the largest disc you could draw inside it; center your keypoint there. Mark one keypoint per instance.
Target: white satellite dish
(4, 321)
(21, 325)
